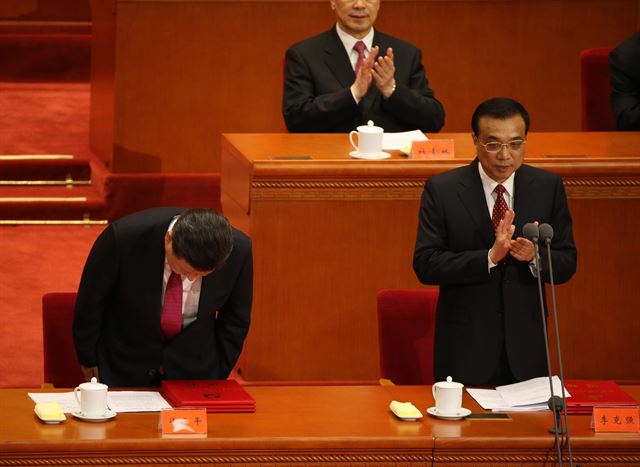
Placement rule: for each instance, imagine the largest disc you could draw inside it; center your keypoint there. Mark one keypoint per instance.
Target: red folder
(214, 395)
(586, 394)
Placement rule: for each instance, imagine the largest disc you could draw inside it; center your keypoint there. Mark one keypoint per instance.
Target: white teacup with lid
(448, 396)
(92, 398)
(369, 139)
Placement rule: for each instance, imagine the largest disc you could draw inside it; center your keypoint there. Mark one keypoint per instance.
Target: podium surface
(309, 424)
(329, 232)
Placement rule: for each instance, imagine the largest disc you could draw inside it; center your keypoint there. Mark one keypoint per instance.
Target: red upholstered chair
(406, 323)
(596, 90)
(61, 367)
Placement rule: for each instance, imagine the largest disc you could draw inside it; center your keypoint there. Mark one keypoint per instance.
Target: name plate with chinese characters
(616, 419)
(183, 423)
(433, 149)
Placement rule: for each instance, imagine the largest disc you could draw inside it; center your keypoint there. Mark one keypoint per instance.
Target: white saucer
(371, 157)
(108, 415)
(456, 416)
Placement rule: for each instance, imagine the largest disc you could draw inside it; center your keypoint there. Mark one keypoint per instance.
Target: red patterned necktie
(171, 320)
(359, 47)
(499, 208)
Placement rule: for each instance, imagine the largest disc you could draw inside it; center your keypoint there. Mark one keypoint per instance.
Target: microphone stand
(556, 430)
(563, 402)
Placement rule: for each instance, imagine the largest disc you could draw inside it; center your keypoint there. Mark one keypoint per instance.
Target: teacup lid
(449, 383)
(93, 385)
(369, 128)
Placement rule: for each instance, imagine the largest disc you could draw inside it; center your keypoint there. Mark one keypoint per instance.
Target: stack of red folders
(214, 395)
(587, 394)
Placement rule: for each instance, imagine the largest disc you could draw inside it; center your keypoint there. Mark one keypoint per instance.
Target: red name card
(179, 423)
(432, 149)
(616, 419)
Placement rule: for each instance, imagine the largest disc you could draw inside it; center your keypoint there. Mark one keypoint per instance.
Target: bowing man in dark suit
(165, 293)
(488, 323)
(330, 87)
(624, 64)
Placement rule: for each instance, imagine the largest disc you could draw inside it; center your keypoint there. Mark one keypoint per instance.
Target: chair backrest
(597, 114)
(61, 367)
(406, 323)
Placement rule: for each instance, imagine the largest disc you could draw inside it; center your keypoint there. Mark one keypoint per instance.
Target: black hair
(499, 108)
(203, 238)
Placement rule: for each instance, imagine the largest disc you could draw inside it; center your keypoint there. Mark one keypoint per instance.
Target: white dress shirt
(489, 185)
(349, 42)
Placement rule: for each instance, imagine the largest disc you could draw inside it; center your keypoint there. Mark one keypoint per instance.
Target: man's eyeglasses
(494, 146)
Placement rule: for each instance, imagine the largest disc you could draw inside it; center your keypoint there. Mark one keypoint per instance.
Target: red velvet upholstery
(596, 89)
(406, 323)
(131, 192)
(61, 367)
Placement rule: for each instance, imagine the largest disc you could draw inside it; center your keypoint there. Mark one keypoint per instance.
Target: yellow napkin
(405, 410)
(49, 412)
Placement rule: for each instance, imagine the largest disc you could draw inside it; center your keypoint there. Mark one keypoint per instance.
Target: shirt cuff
(489, 262)
(354, 95)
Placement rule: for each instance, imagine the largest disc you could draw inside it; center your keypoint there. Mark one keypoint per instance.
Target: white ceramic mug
(92, 398)
(448, 396)
(369, 139)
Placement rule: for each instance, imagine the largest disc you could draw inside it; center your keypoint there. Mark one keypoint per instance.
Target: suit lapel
(372, 96)
(152, 275)
(337, 60)
(472, 196)
(523, 199)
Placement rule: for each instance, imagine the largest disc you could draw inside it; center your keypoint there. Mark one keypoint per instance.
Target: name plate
(433, 149)
(183, 423)
(616, 419)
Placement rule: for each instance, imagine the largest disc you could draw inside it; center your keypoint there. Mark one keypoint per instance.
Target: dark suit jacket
(478, 312)
(117, 314)
(317, 95)
(624, 64)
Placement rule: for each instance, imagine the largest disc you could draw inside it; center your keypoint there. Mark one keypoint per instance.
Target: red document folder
(586, 394)
(214, 395)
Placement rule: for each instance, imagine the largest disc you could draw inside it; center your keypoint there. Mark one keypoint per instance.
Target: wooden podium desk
(329, 232)
(301, 425)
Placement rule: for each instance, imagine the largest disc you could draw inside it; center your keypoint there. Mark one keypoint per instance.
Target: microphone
(558, 403)
(546, 233)
(532, 233)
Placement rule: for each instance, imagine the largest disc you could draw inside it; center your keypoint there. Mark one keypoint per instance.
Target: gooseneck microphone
(532, 232)
(546, 235)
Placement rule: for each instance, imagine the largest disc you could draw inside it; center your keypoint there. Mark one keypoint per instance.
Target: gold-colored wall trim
(397, 190)
(78, 199)
(36, 157)
(53, 222)
(66, 182)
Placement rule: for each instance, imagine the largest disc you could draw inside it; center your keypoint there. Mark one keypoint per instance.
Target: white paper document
(401, 141)
(136, 401)
(118, 401)
(531, 395)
